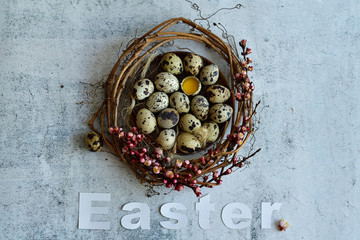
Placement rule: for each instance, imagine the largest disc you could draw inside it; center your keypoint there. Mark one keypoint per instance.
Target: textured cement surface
(307, 60)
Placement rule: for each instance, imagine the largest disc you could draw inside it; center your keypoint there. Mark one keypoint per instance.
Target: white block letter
(227, 215)
(86, 210)
(143, 215)
(266, 212)
(165, 210)
(204, 207)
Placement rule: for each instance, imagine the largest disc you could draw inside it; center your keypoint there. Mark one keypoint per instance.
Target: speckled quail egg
(200, 107)
(209, 74)
(171, 63)
(166, 82)
(218, 93)
(188, 143)
(166, 138)
(145, 121)
(93, 141)
(189, 123)
(143, 88)
(157, 102)
(220, 112)
(168, 118)
(193, 63)
(201, 134)
(180, 102)
(213, 131)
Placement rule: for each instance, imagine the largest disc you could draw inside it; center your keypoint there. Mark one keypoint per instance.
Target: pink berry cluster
(242, 76)
(178, 174)
(155, 161)
(195, 170)
(239, 133)
(171, 179)
(132, 140)
(216, 176)
(205, 161)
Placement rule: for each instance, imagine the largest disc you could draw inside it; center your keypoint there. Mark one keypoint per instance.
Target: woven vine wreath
(151, 164)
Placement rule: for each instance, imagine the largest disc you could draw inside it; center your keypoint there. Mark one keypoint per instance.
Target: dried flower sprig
(181, 174)
(283, 225)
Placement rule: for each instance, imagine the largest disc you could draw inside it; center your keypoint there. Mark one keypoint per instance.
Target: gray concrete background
(307, 61)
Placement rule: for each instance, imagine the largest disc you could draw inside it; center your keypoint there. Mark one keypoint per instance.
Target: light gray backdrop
(306, 59)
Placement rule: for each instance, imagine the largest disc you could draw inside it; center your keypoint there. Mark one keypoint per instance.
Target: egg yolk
(190, 85)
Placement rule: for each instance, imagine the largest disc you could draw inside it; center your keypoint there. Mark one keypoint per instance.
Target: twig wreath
(147, 160)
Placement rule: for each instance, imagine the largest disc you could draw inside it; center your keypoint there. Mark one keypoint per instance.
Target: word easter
(141, 218)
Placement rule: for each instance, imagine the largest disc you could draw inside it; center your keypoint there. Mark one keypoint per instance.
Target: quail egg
(168, 118)
(201, 134)
(218, 93)
(93, 141)
(220, 112)
(166, 138)
(200, 107)
(180, 102)
(143, 88)
(171, 63)
(188, 143)
(213, 131)
(191, 85)
(157, 102)
(193, 63)
(166, 82)
(189, 123)
(209, 74)
(145, 121)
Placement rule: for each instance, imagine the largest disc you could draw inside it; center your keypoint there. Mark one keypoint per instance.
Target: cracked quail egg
(193, 63)
(93, 141)
(188, 143)
(145, 121)
(166, 82)
(157, 102)
(191, 85)
(189, 123)
(171, 63)
(209, 74)
(200, 107)
(180, 102)
(168, 118)
(220, 112)
(213, 131)
(143, 88)
(166, 138)
(218, 93)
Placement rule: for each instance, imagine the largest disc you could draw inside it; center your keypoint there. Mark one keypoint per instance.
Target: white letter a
(143, 215)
